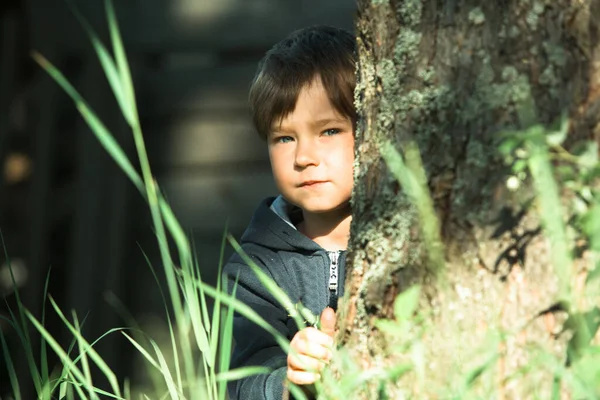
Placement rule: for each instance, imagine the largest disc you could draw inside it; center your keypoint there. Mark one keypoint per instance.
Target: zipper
(333, 271)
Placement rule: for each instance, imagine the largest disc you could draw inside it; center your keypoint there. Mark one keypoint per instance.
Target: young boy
(302, 101)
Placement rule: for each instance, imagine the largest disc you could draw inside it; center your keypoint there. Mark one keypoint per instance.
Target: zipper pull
(333, 271)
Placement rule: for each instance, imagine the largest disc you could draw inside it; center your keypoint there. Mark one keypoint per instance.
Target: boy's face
(312, 153)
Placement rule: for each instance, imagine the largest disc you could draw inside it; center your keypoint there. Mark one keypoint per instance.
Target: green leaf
(584, 327)
(556, 138)
(565, 172)
(587, 370)
(509, 144)
(391, 328)
(519, 165)
(396, 372)
(589, 157)
(590, 224)
(593, 275)
(406, 303)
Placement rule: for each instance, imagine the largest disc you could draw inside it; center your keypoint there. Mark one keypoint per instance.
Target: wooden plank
(196, 141)
(159, 25)
(204, 203)
(8, 60)
(180, 86)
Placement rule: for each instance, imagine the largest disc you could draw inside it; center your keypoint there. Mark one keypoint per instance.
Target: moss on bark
(452, 75)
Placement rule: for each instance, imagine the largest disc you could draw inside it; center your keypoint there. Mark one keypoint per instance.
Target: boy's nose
(306, 154)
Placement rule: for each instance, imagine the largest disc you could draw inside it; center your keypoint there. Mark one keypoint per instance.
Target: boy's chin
(323, 207)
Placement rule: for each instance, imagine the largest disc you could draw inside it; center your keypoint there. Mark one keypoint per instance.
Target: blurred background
(65, 206)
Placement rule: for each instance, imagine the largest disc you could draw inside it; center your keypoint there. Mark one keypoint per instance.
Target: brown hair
(318, 51)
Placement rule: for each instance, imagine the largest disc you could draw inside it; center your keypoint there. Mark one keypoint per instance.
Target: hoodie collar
(272, 227)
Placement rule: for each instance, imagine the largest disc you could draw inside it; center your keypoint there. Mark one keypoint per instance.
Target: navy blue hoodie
(304, 270)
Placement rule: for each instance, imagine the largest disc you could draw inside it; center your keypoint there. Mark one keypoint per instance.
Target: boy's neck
(329, 230)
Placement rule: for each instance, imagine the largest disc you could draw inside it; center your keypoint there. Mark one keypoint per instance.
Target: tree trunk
(451, 75)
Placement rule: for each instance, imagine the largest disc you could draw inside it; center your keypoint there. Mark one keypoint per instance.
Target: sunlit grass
(195, 363)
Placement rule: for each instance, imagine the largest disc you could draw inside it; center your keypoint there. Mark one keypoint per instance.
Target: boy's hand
(311, 350)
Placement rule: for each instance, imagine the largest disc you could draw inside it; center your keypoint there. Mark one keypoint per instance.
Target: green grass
(195, 363)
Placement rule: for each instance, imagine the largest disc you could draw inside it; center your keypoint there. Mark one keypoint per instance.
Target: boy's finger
(312, 349)
(304, 363)
(302, 377)
(328, 319)
(313, 335)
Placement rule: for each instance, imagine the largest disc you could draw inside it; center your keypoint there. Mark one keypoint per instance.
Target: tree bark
(451, 75)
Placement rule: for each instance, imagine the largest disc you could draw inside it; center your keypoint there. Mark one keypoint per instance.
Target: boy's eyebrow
(317, 124)
(325, 121)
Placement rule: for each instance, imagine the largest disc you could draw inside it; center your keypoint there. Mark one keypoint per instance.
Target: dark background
(64, 203)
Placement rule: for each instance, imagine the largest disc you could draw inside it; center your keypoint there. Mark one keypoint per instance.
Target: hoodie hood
(272, 227)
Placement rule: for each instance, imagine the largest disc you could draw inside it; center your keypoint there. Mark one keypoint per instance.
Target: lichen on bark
(450, 76)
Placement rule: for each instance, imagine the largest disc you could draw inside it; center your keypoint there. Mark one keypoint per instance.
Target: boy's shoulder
(271, 234)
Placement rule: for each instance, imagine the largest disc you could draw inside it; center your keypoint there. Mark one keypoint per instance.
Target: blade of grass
(151, 193)
(83, 352)
(108, 142)
(94, 356)
(150, 184)
(413, 179)
(108, 66)
(62, 393)
(12, 375)
(241, 373)
(65, 370)
(271, 286)
(226, 341)
(18, 327)
(246, 311)
(96, 390)
(296, 392)
(174, 392)
(121, 58)
(200, 310)
(160, 365)
(169, 322)
(127, 389)
(208, 359)
(220, 389)
(78, 388)
(98, 128)
(43, 355)
(550, 209)
(137, 335)
(64, 357)
(216, 323)
(199, 319)
(203, 304)
(142, 351)
(22, 330)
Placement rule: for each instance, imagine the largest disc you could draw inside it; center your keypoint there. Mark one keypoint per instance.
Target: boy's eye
(331, 132)
(283, 139)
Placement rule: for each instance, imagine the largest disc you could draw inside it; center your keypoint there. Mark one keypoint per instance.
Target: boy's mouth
(311, 183)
